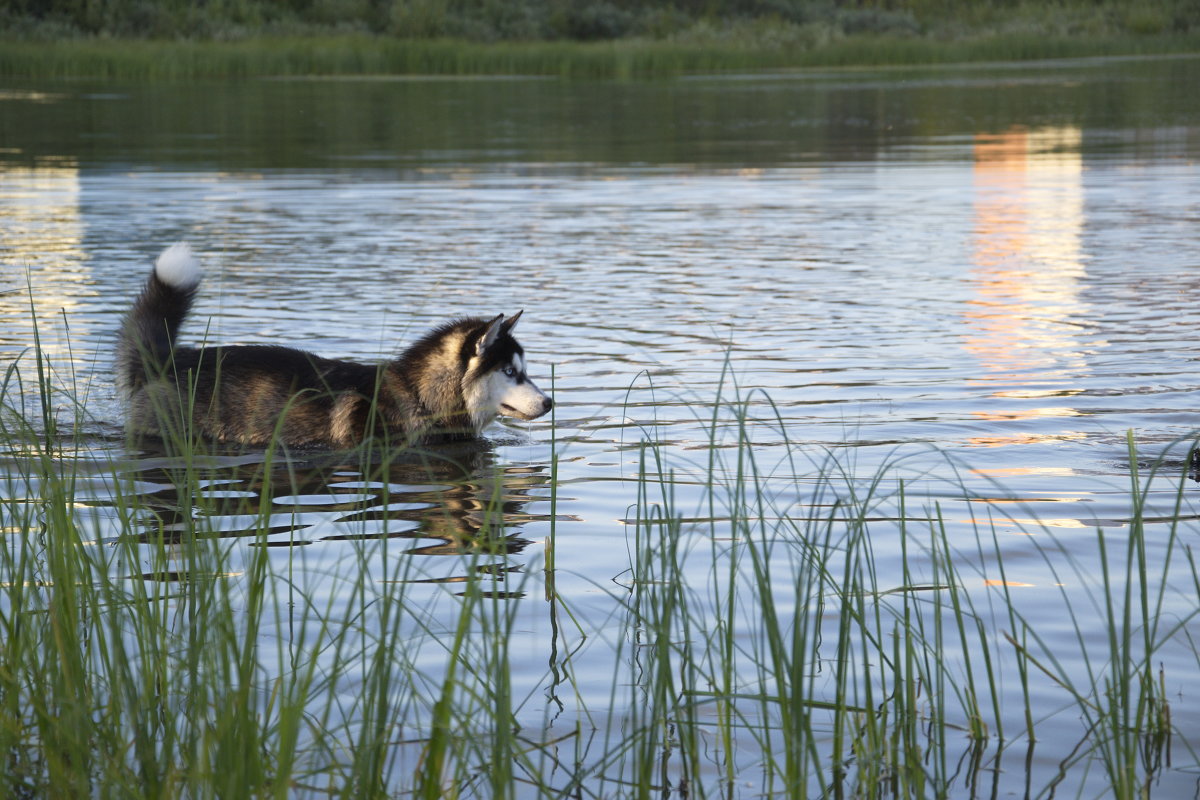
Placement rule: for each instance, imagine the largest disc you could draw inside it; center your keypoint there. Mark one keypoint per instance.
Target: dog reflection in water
(453, 501)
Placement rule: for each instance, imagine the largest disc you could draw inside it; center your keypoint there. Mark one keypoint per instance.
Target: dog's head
(497, 383)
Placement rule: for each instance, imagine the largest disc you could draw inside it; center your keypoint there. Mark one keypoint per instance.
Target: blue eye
(510, 372)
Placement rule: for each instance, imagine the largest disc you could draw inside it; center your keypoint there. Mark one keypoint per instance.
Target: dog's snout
(547, 404)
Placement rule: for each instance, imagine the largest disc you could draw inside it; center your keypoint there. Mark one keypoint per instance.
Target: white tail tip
(177, 267)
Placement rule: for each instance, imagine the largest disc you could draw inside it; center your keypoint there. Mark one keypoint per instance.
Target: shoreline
(363, 55)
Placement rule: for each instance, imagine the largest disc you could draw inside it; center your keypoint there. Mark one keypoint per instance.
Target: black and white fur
(448, 385)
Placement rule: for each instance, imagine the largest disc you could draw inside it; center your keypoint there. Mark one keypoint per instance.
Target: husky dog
(449, 385)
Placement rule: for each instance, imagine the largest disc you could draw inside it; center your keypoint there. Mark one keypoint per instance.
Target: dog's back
(249, 394)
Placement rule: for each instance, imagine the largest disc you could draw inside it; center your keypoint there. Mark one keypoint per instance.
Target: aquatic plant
(146, 651)
(697, 51)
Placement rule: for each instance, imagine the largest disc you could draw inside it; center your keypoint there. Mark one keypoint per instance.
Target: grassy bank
(369, 55)
(146, 652)
(581, 38)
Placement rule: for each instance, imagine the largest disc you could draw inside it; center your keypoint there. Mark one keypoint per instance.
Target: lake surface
(977, 280)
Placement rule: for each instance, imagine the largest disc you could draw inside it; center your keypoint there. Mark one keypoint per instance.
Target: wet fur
(440, 389)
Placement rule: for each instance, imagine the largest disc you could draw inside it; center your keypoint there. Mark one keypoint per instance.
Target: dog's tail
(148, 334)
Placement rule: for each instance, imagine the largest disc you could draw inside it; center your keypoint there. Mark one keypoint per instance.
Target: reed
(174, 659)
(756, 637)
(358, 54)
(852, 687)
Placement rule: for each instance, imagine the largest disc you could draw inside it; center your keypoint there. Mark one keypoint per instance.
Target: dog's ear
(490, 334)
(511, 322)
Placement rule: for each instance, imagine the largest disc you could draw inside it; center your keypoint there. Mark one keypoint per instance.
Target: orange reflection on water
(1009, 439)
(1024, 318)
(1028, 527)
(1026, 254)
(1062, 472)
(1027, 413)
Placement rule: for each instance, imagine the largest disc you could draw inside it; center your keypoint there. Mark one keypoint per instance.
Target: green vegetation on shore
(362, 55)
(583, 38)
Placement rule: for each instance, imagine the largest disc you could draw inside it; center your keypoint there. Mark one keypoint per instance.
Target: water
(979, 279)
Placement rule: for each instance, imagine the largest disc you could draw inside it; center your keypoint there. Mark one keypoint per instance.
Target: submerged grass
(357, 54)
(171, 658)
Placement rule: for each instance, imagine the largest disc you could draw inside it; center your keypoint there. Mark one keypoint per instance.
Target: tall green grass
(579, 38)
(756, 638)
(167, 660)
(636, 58)
(802, 646)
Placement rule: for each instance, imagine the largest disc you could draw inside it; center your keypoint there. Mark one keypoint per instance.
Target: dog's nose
(547, 404)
